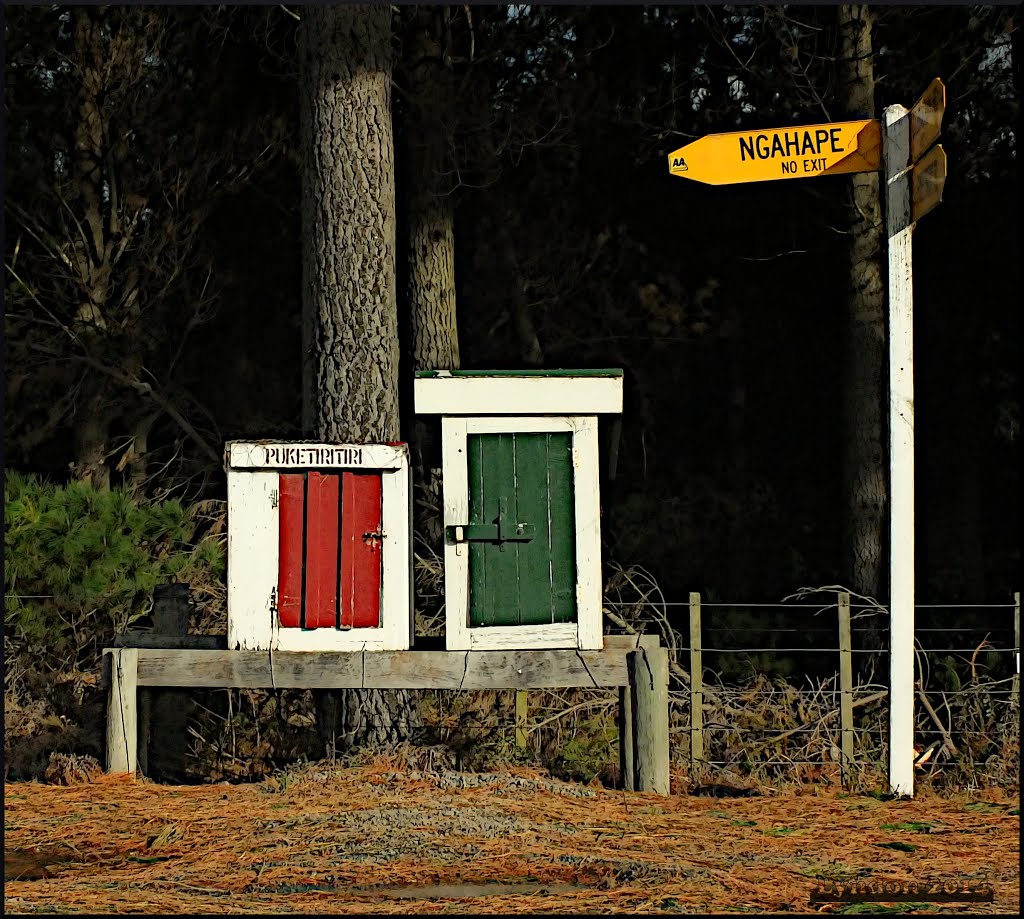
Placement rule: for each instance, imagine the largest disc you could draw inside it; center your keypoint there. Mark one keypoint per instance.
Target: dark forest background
(574, 248)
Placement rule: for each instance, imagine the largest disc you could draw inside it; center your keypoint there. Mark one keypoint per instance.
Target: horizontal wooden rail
(390, 669)
(636, 663)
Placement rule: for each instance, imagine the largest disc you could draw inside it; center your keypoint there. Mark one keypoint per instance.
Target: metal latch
(503, 529)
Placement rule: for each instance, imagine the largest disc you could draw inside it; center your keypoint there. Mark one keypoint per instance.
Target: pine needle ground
(324, 839)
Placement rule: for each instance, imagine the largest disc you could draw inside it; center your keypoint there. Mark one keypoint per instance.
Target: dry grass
(322, 839)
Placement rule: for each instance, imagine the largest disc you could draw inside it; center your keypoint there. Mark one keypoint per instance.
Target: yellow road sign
(927, 179)
(780, 153)
(926, 118)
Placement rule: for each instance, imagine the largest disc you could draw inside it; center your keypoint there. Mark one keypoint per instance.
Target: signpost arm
(896, 159)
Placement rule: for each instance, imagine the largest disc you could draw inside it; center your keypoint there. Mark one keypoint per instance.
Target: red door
(330, 550)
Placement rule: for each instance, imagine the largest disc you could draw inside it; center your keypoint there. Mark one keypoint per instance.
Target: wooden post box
(521, 504)
(319, 550)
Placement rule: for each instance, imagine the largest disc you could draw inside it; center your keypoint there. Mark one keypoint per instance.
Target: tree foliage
(80, 566)
(172, 300)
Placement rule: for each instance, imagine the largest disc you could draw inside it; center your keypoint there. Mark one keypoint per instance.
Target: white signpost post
(914, 173)
(912, 185)
(896, 181)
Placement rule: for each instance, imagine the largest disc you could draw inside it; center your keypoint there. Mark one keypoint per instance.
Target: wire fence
(737, 704)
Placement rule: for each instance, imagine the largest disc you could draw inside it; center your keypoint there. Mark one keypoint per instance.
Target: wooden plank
(493, 585)
(139, 638)
(647, 671)
(529, 669)
(523, 637)
(537, 571)
(517, 395)
(397, 622)
(696, 689)
(896, 153)
(455, 496)
(587, 500)
(521, 373)
(321, 593)
(241, 454)
(122, 714)
(144, 726)
(292, 513)
(360, 555)
(253, 499)
(560, 525)
(846, 687)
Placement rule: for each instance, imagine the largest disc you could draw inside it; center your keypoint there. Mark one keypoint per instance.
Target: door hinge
(275, 498)
(273, 600)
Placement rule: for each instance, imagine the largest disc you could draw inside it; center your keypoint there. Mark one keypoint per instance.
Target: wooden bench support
(637, 664)
(645, 738)
(122, 710)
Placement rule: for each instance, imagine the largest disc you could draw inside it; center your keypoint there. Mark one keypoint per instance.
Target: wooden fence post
(1015, 685)
(163, 713)
(846, 687)
(696, 690)
(627, 759)
(647, 673)
(122, 723)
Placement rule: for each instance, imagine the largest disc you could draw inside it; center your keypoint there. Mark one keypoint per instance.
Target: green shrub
(80, 565)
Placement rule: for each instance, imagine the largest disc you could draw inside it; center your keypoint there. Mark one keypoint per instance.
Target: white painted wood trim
(253, 538)
(586, 487)
(517, 395)
(396, 562)
(896, 152)
(523, 637)
(526, 424)
(455, 497)
(587, 631)
(239, 454)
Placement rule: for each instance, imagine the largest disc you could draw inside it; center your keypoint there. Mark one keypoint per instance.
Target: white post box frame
(253, 470)
(586, 633)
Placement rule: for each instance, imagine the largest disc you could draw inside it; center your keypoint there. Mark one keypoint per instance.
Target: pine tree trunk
(431, 253)
(349, 296)
(864, 475)
(431, 211)
(432, 283)
(348, 220)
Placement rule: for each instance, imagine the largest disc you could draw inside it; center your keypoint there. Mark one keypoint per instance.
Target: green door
(521, 533)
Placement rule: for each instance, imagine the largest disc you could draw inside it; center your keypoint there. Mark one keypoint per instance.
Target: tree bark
(864, 476)
(430, 210)
(348, 220)
(348, 270)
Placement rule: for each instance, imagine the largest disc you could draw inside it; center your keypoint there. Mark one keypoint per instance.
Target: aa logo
(679, 164)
